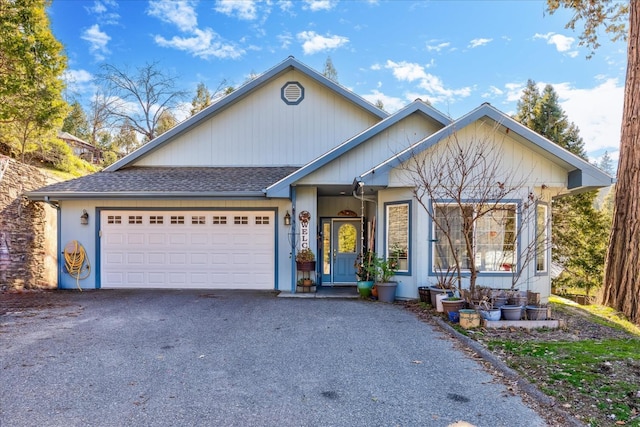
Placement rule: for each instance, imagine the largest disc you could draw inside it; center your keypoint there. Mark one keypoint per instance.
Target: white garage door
(187, 249)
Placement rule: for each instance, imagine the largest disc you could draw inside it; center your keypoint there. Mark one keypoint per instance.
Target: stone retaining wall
(28, 231)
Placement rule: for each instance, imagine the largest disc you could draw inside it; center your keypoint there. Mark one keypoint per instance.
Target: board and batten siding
(262, 130)
(374, 151)
(519, 162)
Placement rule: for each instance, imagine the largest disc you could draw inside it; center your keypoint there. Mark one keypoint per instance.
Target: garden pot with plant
(385, 287)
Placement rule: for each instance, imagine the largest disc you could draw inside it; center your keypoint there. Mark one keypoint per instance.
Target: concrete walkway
(205, 358)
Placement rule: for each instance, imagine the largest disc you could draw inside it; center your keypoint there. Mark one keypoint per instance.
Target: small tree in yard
(478, 209)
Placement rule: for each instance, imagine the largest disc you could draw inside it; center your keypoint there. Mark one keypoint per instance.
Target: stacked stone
(22, 230)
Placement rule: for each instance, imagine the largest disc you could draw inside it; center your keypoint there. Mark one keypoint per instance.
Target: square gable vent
(292, 93)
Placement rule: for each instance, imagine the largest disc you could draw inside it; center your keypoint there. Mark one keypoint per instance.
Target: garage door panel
(199, 249)
(157, 238)
(135, 238)
(157, 258)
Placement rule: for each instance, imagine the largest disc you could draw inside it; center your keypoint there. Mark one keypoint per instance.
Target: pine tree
(31, 67)
(579, 230)
(330, 71)
(201, 100)
(76, 122)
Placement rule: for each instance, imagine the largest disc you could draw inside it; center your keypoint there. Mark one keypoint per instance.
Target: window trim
(432, 272)
(408, 271)
(547, 233)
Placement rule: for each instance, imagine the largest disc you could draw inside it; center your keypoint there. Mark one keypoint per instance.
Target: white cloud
(203, 44)
(314, 43)
(479, 42)
(436, 90)
(78, 81)
(243, 9)
(285, 40)
(391, 104)
(562, 43)
(493, 92)
(285, 5)
(437, 47)
(180, 13)
(597, 112)
(97, 41)
(316, 5)
(376, 67)
(406, 71)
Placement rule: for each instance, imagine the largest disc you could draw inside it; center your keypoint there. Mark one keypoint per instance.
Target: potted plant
(445, 285)
(366, 266)
(305, 260)
(385, 287)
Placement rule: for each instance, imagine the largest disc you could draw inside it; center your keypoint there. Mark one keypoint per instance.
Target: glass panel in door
(344, 247)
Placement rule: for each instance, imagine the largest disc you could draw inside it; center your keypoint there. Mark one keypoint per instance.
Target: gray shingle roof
(167, 182)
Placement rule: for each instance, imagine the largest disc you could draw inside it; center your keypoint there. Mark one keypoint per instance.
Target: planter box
(306, 265)
(469, 318)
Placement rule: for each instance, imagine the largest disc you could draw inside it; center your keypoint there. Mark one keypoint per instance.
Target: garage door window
(241, 220)
(154, 219)
(262, 220)
(114, 219)
(177, 219)
(135, 219)
(219, 220)
(198, 220)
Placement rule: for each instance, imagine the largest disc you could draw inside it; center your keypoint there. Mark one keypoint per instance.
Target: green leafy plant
(387, 269)
(366, 266)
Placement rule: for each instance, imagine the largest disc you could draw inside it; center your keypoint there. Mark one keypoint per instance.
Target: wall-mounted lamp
(287, 219)
(84, 218)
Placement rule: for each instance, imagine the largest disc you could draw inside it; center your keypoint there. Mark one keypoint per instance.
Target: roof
(289, 64)
(66, 136)
(582, 175)
(281, 188)
(167, 182)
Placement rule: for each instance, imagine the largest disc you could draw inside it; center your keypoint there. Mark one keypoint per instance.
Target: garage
(187, 249)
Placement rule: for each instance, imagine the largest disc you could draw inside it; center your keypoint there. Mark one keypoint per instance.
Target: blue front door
(340, 249)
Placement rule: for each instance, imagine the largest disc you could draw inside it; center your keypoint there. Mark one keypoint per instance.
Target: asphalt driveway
(226, 358)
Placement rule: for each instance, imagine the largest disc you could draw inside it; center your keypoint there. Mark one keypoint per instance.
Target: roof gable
(282, 188)
(582, 175)
(241, 93)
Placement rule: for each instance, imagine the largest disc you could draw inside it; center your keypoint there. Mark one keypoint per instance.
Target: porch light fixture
(287, 218)
(84, 218)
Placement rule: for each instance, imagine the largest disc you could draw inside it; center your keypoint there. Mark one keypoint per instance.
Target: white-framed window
(492, 237)
(542, 238)
(135, 219)
(397, 217)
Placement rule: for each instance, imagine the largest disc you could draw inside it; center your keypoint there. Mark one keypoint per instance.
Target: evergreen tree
(606, 164)
(166, 121)
(201, 100)
(579, 230)
(621, 20)
(76, 122)
(330, 71)
(31, 66)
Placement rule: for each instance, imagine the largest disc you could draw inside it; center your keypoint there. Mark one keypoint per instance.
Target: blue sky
(456, 54)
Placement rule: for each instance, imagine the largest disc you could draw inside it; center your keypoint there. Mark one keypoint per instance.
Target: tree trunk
(621, 289)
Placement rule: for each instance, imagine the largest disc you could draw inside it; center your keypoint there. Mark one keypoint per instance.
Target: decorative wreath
(304, 216)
